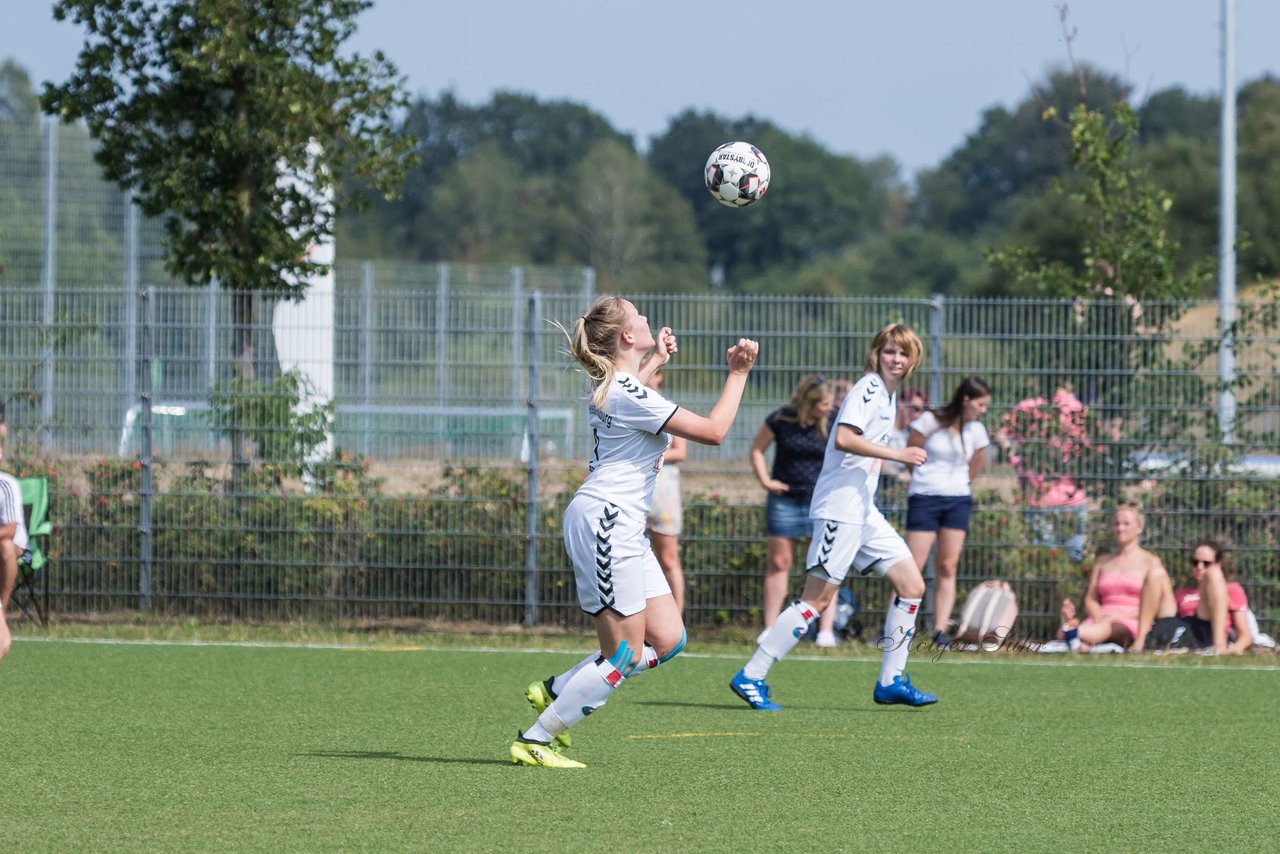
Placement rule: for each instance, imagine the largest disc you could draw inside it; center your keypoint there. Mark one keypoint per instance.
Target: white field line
(951, 658)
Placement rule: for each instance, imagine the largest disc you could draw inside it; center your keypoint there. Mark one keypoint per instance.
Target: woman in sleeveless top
(1128, 590)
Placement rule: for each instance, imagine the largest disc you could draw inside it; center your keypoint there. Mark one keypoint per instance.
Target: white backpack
(988, 615)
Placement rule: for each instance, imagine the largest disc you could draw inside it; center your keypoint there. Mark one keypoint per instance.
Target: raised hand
(742, 356)
(665, 344)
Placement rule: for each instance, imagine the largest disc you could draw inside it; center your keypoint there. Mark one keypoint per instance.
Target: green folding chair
(34, 561)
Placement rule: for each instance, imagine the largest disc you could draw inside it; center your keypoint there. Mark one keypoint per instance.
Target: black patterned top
(797, 459)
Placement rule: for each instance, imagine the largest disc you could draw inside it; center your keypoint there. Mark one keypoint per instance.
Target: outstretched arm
(711, 429)
(851, 441)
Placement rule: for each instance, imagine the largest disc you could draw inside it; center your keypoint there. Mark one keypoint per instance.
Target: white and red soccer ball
(737, 174)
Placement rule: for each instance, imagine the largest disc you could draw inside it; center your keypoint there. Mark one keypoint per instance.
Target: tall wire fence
(455, 433)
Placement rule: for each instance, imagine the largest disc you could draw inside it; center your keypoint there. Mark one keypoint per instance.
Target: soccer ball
(737, 174)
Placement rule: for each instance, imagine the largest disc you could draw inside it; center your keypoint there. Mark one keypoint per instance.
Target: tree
(636, 229)
(205, 110)
(819, 202)
(1010, 154)
(1129, 289)
(1259, 167)
(542, 141)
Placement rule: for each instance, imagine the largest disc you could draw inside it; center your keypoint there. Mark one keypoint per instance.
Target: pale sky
(908, 78)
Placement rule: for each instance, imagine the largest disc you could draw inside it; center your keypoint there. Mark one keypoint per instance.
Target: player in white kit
(849, 530)
(618, 578)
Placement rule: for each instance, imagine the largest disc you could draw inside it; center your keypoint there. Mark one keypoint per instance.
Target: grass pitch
(144, 747)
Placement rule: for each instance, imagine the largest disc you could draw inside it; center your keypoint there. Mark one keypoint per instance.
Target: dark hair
(970, 387)
(1219, 553)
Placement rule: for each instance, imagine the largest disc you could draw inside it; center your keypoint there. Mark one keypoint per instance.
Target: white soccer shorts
(872, 547)
(613, 565)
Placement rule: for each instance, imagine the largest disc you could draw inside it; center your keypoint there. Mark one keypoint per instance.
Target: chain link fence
(456, 430)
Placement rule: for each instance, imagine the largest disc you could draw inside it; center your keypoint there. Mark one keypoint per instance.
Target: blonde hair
(809, 392)
(1135, 508)
(902, 335)
(593, 342)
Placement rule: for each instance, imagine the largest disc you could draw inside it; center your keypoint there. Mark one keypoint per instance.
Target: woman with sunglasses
(1214, 609)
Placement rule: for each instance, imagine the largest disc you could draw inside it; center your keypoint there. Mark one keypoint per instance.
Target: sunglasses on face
(1198, 562)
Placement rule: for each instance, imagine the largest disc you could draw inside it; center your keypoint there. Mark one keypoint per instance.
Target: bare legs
(777, 573)
(8, 577)
(950, 543)
(1157, 602)
(666, 548)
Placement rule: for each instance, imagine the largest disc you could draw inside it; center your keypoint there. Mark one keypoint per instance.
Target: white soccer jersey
(947, 471)
(11, 508)
(628, 445)
(847, 484)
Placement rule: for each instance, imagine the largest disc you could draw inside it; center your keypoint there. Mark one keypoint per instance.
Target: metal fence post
(531, 512)
(131, 297)
(49, 278)
(211, 333)
(145, 492)
(937, 334)
(366, 351)
(442, 346)
(517, 325)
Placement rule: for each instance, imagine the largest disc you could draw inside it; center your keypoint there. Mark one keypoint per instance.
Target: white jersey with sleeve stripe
(628, 444)
(846, 486)
(11, 508)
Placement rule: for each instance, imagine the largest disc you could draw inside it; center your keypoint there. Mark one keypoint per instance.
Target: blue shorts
(786, 516)
(931, 512)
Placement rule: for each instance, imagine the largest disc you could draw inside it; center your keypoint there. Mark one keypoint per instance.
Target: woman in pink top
(1128, 590)
(1215, 607)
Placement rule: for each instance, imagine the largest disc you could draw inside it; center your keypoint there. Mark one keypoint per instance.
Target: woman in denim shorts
(940, 494)
(800, 432)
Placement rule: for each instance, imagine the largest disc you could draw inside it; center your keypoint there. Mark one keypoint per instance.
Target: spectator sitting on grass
(1128, 591)
(1211, 616)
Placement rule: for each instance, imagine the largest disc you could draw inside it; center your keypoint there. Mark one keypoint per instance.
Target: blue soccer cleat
(902, 692)
(753, 692)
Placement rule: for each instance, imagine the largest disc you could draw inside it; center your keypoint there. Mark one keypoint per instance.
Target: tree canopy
(206, 111)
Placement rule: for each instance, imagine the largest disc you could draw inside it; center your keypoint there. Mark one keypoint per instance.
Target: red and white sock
(899, 629)
(786, 632)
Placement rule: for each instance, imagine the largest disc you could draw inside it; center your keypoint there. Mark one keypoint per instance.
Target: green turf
(172, 747)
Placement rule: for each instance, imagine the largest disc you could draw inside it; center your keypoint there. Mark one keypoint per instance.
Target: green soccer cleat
(539, 696)
(534, 753)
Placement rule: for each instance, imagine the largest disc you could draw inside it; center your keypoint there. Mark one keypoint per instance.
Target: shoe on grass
(902, 692)
(539, 696)
(753, 692)
(525, 752)
(826, 640)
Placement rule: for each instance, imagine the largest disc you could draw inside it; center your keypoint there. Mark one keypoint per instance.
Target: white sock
(899, 629)
(587, 690)
(558, 682)
(787, 630)
(648, 661)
